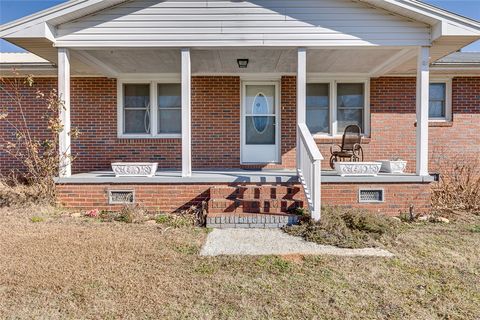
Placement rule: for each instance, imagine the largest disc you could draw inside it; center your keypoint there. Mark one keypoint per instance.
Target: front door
(260, 123)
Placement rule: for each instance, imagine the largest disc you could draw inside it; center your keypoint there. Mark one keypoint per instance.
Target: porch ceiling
(224, 61)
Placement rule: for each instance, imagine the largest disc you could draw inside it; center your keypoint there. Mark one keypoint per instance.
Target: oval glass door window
(260, 106)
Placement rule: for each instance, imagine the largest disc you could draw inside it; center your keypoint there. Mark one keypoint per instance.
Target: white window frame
(448, 99)
(332, 82)
(153, 109)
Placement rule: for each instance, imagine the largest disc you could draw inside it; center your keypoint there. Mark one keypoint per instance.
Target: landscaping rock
(424, 218)
(442, 220)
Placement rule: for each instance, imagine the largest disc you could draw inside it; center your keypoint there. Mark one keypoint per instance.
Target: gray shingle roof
(461, 58)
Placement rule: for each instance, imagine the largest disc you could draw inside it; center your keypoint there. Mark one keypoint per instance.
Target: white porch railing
(309, 169)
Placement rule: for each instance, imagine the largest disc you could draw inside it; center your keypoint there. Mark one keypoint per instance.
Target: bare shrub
(458, 188)
(352, 228)
(132, 214)
(193, 216)
(38, 155)
(17, 194)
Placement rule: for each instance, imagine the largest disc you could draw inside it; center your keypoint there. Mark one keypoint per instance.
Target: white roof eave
(61, 13)
(444, 23)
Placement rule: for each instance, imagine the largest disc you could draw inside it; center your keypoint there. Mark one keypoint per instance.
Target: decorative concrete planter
(357, 168)
(393, 166)
(134, 169)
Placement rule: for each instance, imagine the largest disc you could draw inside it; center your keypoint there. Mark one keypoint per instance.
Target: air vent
(121, 196)
(371, 195)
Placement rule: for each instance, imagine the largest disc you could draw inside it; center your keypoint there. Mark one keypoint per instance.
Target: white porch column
(301, 93)
(65, 169)
(186, 114)
(423, 85)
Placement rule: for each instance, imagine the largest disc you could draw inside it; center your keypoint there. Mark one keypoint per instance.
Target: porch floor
(234, 176)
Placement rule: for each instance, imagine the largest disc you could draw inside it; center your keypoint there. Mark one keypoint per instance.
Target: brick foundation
(174, 197)
(398, 197)
(159, 197)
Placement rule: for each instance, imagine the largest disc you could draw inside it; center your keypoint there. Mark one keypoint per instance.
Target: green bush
(476, 228)
(36, 219)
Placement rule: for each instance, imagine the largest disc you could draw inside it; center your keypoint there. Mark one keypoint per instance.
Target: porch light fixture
(242, 63)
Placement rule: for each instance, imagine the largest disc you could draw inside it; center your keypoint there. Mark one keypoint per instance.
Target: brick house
(240, 102)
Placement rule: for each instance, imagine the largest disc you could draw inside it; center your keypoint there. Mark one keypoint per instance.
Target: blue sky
(14, 9)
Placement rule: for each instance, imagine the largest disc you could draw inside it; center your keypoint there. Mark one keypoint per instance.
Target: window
(149, 110)
(350, 105)
(169, 108)
(318, 105)
(439, 105)
(136, 102)
(332, 106)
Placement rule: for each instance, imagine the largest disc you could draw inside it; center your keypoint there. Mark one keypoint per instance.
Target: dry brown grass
(80, 268)
(351, 228)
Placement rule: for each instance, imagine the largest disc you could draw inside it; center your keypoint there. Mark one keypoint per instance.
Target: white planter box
(357, 168)
(134, 169)
(393, 166)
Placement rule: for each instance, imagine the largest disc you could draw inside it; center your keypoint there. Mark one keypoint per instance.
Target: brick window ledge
(433, 124)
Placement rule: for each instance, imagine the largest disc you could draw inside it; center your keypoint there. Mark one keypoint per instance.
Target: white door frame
(277, 119)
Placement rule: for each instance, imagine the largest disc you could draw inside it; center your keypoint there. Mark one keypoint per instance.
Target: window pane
(169, 95)
(137, 121)
(350, 105)
(136, 95)
(437, 91)
(349, 116)
(169, 108)
(260, 99)
(260, 130)
(436, 109)
(170, 121)
(318, 107)
(437, 100)
(350, 95)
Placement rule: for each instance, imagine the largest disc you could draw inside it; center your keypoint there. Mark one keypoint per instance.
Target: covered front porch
(212, 136)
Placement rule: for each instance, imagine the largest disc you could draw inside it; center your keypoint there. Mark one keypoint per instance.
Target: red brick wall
(398, 197)
(216, 124)
(393, 131)
(33, 109)
(94, 113)
(289, 120)
(462, 138)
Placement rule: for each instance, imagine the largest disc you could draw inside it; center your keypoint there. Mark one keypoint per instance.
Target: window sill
(319, 139)
(438, 123)
(143, 136)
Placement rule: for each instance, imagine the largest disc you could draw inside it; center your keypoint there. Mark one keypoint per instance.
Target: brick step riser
(262, 192)
(253, 206)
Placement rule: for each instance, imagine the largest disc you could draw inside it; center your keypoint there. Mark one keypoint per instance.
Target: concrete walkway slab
(273, 242)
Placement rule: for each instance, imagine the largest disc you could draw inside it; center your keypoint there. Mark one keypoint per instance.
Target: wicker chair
(350, 150)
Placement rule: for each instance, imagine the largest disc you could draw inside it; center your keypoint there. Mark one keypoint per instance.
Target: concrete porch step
(250, 220)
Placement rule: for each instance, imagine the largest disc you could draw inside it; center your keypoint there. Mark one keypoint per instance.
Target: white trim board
(278, 126)
(153, 110)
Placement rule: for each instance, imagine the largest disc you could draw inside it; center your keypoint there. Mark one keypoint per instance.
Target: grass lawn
(63, 267)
